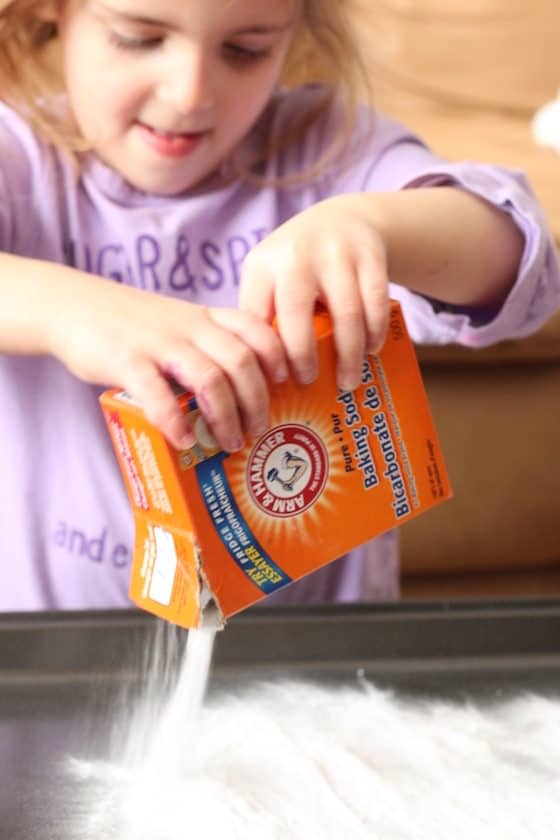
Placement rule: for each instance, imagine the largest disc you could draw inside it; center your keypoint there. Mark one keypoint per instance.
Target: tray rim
(412, 634)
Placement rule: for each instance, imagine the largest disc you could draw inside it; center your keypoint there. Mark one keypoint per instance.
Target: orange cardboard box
(334, 470)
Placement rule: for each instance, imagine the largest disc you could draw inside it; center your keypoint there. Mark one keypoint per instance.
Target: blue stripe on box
(232, 529)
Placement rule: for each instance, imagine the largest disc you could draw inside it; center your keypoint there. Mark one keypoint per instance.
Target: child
(160, 204)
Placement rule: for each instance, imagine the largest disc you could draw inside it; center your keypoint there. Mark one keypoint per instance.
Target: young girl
(162, 197)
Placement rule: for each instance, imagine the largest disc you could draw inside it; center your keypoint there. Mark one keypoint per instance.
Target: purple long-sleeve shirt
(65, 523)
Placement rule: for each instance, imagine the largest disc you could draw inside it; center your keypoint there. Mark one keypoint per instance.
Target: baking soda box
(335, 469)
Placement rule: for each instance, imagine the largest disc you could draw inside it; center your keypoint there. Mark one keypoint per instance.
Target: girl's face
(164, 90)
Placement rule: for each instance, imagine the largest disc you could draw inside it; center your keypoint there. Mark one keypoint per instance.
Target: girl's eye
(129, 42)
(243, 55)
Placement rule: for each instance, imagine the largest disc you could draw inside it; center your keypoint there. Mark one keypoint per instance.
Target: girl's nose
(186, 83)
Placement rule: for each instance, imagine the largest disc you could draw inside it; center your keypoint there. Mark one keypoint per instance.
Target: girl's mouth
(170, 143)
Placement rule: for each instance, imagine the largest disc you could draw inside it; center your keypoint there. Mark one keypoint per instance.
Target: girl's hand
(330, 254)
(110, 334)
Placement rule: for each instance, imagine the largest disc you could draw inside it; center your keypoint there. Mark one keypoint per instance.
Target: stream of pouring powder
(153, 740)
(183, 708)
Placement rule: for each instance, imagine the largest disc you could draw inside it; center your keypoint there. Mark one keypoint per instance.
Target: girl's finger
(295, 301)
(201, 376)
(148, 386)
(259, 336)
(343, 299)
(256, 290)
(374, 288)
(236, 360)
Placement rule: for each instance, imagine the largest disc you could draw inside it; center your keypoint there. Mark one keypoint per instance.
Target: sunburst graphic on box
(291, 479)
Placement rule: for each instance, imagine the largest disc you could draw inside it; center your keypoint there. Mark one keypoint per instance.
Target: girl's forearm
(445, 242)
(32, 294)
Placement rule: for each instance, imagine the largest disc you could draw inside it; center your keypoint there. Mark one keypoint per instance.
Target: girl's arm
(442, 242)
(29, 291)
(112, 334)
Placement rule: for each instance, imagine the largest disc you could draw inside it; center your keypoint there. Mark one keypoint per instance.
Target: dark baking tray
(60, 672)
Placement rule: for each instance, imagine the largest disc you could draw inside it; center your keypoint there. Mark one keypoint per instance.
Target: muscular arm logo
(287, 470)
(292, 468)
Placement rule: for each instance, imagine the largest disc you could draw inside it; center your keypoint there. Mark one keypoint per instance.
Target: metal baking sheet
(60, 673)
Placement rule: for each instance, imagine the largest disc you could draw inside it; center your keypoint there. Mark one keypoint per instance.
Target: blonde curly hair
(323, 50)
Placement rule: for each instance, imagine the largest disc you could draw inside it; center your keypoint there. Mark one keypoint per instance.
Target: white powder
(289, 761)
(180, 715)
(152, 733)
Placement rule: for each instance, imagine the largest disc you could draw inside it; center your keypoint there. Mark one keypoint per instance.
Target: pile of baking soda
(293, 761)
